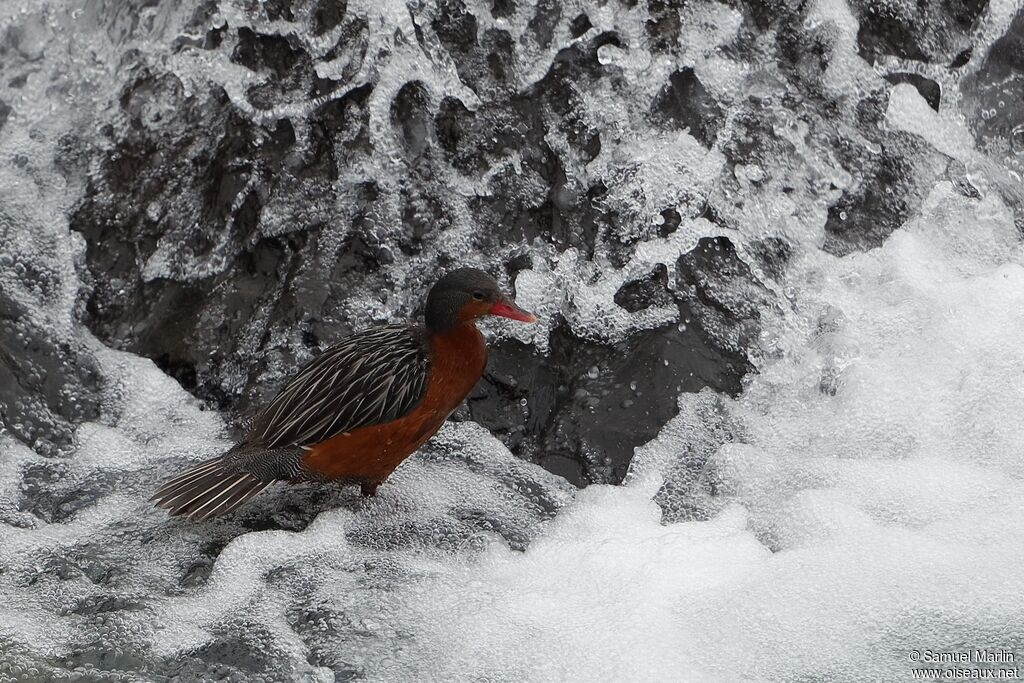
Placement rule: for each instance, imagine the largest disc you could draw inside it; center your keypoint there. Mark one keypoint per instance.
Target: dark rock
(587, 405)
(580, 25)
(663, 26)
(924, 31)
(503, 8)
(928, 88)
(327, 15)
(991, 100)
(890, 187)
(1006, 56)
(453, 127)
(455, 26)
(961, 59)
(43, 494)
(541, 26)
(647, 291)
(685, 103)
(756, 139)
(266, 53)
(722, 292)
(46, 386)
(773, 253)
(409, 114)
(670, 222)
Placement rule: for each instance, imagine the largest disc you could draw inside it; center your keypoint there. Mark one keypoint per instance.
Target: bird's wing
(370, 378)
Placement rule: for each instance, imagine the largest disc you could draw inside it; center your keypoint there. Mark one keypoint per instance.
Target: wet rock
(541, 27)
(686, 103)
(47, 385)
(663, 26)
(724, 297)
(924, 31)
(455, 26)
(928, 88)
(580, 411)
(580, 25)
(327, 15)
(231, 255)
(44, 495)
(651, 290)
(891, 186)
(689, 490)
(991, 99)
(410, 115)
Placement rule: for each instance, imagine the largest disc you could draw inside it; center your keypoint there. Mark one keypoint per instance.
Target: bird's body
(359, 409)
(369, 454)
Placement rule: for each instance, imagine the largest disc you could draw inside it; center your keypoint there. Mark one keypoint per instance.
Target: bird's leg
(369, 488)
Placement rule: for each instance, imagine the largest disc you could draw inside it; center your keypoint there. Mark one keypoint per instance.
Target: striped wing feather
(209, 489)
(370, 378)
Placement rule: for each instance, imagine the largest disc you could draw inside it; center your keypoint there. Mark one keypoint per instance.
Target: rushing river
(776, 248)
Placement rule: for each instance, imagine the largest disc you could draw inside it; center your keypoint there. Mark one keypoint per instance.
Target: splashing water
(860, 500)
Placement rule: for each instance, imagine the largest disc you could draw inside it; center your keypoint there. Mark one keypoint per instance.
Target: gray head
(465, 294)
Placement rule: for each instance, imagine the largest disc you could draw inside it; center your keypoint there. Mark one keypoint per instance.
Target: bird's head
(466, 294)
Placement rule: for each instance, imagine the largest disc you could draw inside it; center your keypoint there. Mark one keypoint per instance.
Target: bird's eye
(479, 296)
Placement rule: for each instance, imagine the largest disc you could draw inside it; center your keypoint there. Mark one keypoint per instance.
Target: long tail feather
(209, 489)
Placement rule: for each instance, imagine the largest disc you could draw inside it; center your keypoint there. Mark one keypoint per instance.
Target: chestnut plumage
(358, 410)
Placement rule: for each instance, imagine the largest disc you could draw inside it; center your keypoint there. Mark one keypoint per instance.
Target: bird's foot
(369, 488)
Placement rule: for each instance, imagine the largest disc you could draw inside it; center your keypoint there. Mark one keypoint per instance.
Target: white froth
(599, 597)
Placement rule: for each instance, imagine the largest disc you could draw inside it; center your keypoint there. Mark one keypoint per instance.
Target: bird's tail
(208, 489)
